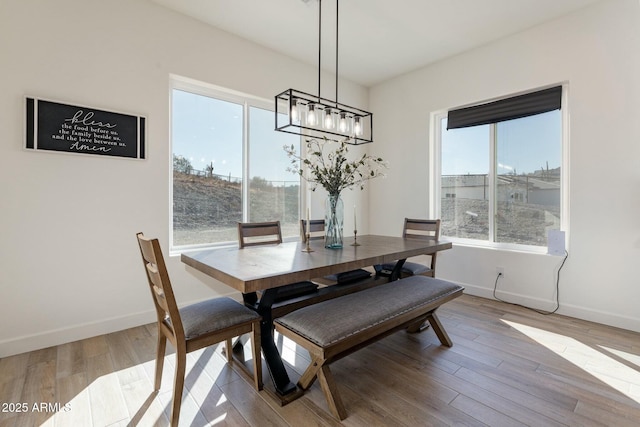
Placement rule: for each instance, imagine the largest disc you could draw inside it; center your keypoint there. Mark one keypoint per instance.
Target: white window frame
(247, 101)
(435, 186)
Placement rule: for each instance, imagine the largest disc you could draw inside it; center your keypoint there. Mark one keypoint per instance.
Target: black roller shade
(515, 107)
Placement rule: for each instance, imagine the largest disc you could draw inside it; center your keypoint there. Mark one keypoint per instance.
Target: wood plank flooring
(508, 367)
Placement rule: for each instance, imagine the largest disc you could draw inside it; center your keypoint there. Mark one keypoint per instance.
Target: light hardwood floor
(508, 366)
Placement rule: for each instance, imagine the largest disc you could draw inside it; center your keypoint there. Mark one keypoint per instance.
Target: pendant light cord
(337, 53)
(319, 45)
(320, 49)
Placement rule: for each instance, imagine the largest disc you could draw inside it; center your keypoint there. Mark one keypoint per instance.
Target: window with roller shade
(500, 170)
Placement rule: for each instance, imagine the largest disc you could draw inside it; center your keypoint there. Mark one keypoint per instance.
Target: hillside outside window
(228, 167)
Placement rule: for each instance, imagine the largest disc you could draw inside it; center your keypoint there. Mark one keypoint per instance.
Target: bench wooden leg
(420, 325)
(439, 330)
(310, 374)
(331, 392)
(229, 350)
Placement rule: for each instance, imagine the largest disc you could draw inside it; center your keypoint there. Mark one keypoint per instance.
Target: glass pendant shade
(295, 110)
(311, 115)
(357, 126)
(328, 119)
(343, 125)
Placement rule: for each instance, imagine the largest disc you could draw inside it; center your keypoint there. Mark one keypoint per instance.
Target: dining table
(258, 271)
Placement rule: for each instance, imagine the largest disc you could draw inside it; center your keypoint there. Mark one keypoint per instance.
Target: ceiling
(379, 39)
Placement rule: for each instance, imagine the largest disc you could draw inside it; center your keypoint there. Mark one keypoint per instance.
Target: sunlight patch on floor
(127, 394)
(219, 420)
(222, 400)
(629, 357)
(614, 373)
(288, 352)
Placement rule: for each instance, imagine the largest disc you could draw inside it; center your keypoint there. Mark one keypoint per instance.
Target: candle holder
(307, 248)
(355, 238)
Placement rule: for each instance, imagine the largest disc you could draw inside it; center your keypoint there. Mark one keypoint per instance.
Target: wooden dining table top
(264, 267)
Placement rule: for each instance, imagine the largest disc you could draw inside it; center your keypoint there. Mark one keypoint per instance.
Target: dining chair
(428, 229)
(316, 229)
(259, 233)
(316, 232)
(270, 233)
(195, 326)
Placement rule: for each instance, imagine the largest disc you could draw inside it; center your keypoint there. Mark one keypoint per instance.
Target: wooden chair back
(316, 229)
(259, 233)
(161, 290)
(428, 229)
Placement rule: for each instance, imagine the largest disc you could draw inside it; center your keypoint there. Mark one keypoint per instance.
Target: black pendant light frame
(308, 115)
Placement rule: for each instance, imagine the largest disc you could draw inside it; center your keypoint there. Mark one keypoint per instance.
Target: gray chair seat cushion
(334, 320)
(349, 276)
(214, 315)
(411, 268)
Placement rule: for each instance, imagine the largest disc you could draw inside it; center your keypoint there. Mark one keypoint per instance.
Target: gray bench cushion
(214, 315)
(330, 321)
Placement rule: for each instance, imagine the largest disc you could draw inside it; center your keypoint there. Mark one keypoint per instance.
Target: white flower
(331, 169)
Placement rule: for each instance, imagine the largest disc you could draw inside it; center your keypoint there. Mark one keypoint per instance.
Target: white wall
(596, 51)
(69, 263)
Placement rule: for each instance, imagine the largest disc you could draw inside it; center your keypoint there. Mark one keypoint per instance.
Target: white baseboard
(73, 333)
(571, 310)
(59, 336)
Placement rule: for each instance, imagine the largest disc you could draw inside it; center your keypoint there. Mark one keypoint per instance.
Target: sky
(209, 131)
(524, 146)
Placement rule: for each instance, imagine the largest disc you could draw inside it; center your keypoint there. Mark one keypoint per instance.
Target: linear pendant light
(309, 115)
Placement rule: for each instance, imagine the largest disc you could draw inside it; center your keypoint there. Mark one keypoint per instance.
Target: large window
(228, 166)
(501, 183)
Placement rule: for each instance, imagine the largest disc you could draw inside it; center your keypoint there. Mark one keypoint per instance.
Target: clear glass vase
(333, 221)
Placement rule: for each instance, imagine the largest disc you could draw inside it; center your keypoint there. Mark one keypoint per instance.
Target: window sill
(206, 246)
(195, 248)
(509, 247)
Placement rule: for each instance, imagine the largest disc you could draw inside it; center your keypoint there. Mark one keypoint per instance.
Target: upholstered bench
(335, 328)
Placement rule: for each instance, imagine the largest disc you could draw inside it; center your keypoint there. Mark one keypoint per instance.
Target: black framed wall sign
(55, 126)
